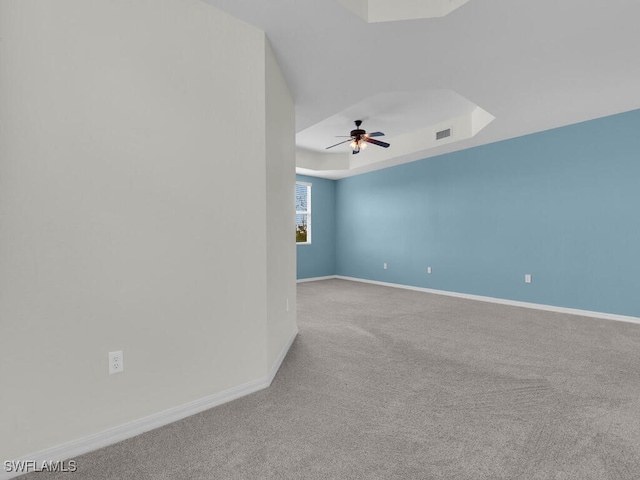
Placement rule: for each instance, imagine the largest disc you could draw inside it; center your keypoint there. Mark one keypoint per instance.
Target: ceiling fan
(359, 139)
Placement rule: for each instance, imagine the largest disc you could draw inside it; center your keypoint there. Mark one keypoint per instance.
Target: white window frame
(307, 212)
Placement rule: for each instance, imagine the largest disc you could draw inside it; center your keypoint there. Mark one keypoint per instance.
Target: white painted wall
(281, 179)
(122, 147)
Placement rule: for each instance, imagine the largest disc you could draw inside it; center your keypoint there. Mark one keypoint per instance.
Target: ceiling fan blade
(377, 142)
(375, 134)
(338, 144)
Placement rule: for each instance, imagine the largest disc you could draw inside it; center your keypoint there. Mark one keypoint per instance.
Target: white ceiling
(393, 113)
(391, 10)
(409, 120)
(534, 65)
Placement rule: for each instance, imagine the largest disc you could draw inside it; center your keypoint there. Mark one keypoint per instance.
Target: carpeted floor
(384, 383)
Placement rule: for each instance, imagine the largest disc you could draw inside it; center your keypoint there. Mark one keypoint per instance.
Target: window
(303, 212)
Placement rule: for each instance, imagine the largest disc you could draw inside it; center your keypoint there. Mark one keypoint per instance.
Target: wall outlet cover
(116, 362)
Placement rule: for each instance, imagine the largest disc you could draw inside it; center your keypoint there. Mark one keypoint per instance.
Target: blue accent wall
(319, 258)
(562, 205)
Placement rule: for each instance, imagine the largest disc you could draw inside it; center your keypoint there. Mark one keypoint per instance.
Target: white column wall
(281, 179)
(132, 189)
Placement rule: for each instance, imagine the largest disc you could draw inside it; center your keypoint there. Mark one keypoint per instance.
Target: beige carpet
(385, 383)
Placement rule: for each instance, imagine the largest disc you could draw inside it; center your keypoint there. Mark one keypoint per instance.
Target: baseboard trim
(501, 301)
(117, 434)
(315, 279)
(283, 353)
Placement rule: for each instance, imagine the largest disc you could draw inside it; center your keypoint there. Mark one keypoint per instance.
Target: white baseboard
(283, 353)
(122, 432)
(315, 279)
(513, 303)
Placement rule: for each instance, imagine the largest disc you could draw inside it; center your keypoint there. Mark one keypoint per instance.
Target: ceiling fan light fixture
(359, 138)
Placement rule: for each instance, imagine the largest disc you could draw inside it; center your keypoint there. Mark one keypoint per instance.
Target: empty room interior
(462, 297)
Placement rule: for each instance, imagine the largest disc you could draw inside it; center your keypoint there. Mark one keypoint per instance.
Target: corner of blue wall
(318, 259)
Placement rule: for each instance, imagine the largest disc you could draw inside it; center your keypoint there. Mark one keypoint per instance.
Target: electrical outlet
(116, 362)
(384, 265)
(527, 278)
(428, 269)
